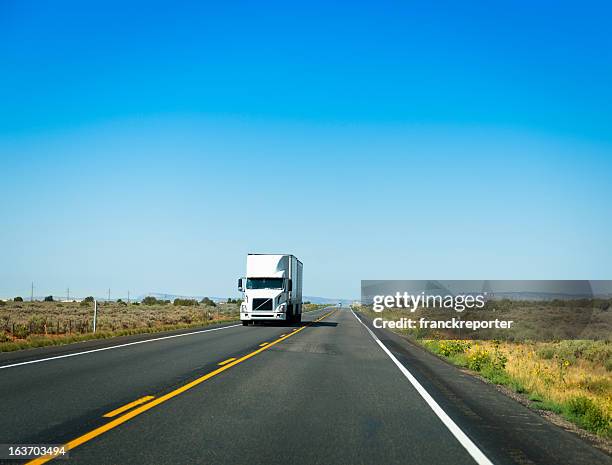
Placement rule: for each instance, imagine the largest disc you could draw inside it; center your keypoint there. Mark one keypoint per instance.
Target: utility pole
(128, 297)
(32, 293)
(68, 294)
(109, 294)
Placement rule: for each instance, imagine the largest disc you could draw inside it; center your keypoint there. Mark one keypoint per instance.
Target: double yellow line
(160, 400)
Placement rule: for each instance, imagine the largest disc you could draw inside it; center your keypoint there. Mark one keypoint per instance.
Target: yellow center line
(225, 362)
(160, 400)
(119, 410)
(263, 344)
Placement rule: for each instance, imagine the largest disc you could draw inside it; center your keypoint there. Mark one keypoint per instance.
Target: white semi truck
(272, 289)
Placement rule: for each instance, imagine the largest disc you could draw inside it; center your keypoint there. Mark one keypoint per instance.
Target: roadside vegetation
(572, 378)
(36, 324)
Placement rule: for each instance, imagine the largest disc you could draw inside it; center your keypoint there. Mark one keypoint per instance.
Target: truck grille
(262, 304)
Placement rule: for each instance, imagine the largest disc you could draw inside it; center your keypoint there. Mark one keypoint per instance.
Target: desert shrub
(89, 298)
(595, 385)
(608, 364)
(185, 302)
(546, 352)
(594, 351)
(589, 415)
(149, 300)
(18, 299)
(21, 331)
(84, 303)
(4, 337)
(209, 302)
(49, 298)
(2, 303)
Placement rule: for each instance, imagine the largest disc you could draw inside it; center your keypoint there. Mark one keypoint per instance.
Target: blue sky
(150, 147)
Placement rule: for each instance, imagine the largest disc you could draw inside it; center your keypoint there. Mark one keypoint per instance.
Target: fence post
(95, 314)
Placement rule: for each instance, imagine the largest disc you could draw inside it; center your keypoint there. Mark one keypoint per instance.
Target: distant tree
(18, 299)
(307, 302)
(149, 300)
(88, 299)
(209, 302)
(49, 298)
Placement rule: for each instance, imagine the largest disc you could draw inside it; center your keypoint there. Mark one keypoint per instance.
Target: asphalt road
(328, 392)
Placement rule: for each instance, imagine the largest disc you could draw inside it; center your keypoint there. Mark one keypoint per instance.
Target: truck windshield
(264, 283)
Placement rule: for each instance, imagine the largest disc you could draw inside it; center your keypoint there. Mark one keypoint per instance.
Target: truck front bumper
(261, 316)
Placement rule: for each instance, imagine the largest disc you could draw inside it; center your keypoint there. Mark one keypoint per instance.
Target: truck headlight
(281, 307)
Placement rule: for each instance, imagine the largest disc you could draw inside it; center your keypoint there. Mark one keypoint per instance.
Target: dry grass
(27, 324)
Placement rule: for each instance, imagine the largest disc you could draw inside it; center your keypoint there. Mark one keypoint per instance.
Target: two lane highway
(327, 392)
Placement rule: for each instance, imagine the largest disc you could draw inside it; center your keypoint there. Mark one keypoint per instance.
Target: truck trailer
(272, 289)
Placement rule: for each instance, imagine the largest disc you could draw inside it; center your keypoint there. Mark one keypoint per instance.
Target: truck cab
(272, 289)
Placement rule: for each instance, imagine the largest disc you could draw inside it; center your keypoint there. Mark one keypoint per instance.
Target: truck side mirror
(289, 286)
(241, 285)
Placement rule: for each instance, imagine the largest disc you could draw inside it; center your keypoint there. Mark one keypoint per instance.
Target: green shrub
(18, 299)
(608, 364)
(209, 302)
(452, 347)
(478, 359)
(49, 298)
(589, 415)
(149, 300)
(89, 298)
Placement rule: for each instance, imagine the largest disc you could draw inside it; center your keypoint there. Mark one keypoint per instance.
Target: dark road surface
(324, 393)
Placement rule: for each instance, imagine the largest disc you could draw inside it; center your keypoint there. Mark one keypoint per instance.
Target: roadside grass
(572, 378)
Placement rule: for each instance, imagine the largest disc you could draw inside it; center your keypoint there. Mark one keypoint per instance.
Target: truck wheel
(245, 323)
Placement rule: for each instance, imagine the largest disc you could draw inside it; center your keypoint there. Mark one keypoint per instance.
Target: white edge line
(465, 441)
(114, 347)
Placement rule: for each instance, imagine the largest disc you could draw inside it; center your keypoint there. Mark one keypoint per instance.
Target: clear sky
(150, 146)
